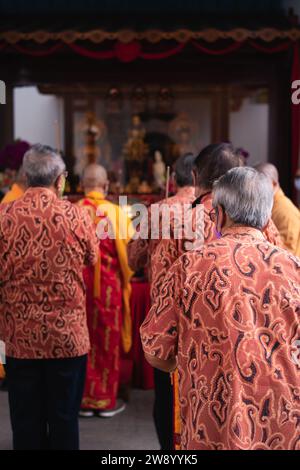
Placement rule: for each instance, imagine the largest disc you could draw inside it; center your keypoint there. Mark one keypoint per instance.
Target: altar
(132, 130)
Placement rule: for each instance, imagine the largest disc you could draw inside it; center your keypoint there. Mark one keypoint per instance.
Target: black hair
(183, 170)
(214, 161)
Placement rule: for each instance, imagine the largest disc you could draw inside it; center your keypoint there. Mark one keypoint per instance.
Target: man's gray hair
(246, 196)
(42, 166)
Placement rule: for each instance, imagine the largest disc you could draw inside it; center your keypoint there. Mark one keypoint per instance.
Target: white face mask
(297, 183)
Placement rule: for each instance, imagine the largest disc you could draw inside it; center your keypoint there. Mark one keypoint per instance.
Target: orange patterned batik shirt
(230, 313)
(45, 242)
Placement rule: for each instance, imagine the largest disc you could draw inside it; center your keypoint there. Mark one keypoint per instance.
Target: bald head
(270, 171)
(95, 178)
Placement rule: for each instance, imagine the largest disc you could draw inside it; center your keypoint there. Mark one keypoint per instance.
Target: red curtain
(134, 50)
(91, 54)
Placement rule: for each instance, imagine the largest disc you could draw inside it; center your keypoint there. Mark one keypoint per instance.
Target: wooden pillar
(220, 114)
(69, 151)
(7, 119)
(280, 127)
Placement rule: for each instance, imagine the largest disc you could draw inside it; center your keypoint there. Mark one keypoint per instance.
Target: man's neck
(181, 188)
(201, 191)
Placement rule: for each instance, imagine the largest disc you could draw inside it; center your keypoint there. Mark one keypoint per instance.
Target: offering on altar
(133, 186)
(144, 188)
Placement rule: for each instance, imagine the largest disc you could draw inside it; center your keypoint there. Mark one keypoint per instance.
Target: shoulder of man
(75, 213)
(286, 257)
(199, 252)
(7, 208)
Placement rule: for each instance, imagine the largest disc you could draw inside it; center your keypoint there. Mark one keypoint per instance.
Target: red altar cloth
(134, 368)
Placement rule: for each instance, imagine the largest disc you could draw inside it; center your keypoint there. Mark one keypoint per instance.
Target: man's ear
(59, 184)
(106, 187)
(194, 176)
(221, 222)
(195, 183)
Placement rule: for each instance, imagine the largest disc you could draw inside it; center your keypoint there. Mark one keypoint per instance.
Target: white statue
(159, 170)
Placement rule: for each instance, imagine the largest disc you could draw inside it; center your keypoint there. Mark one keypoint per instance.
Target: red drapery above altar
(128, 52)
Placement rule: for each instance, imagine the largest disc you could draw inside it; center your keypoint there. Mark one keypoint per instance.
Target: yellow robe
(286, 217)
(14, 193)
(123, 231)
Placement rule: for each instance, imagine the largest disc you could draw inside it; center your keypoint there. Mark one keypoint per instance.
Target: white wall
(249, 129)
(295, 4)
(35, 114)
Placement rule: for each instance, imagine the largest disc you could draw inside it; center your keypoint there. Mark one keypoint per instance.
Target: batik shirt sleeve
(159, 332)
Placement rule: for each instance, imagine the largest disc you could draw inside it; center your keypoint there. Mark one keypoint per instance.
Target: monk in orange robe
(227, 319)
(285, 215)
(18, 188)
(108, 299)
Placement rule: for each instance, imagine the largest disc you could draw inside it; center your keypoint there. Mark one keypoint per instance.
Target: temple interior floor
(133, 429)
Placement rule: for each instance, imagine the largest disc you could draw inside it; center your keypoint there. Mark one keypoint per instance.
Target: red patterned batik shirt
(230, 313)
(146, 252)
(44, 244)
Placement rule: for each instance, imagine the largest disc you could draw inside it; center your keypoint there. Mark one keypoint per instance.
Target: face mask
(297, 183)
(218, 234)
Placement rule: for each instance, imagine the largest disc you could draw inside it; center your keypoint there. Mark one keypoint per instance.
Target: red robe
(105, 323)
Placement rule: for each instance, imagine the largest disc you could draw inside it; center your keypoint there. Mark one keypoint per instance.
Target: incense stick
(167, 182)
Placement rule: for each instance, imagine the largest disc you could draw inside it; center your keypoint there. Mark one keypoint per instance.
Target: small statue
(182, 130)
(159, 170)
(95, 148)
(135, 148)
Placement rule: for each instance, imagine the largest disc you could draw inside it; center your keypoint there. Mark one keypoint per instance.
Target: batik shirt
(230, 314)
(146, 252)
(44, 244)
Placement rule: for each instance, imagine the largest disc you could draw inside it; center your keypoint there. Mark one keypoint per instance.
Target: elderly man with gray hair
(45, 242)
(228, 319)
